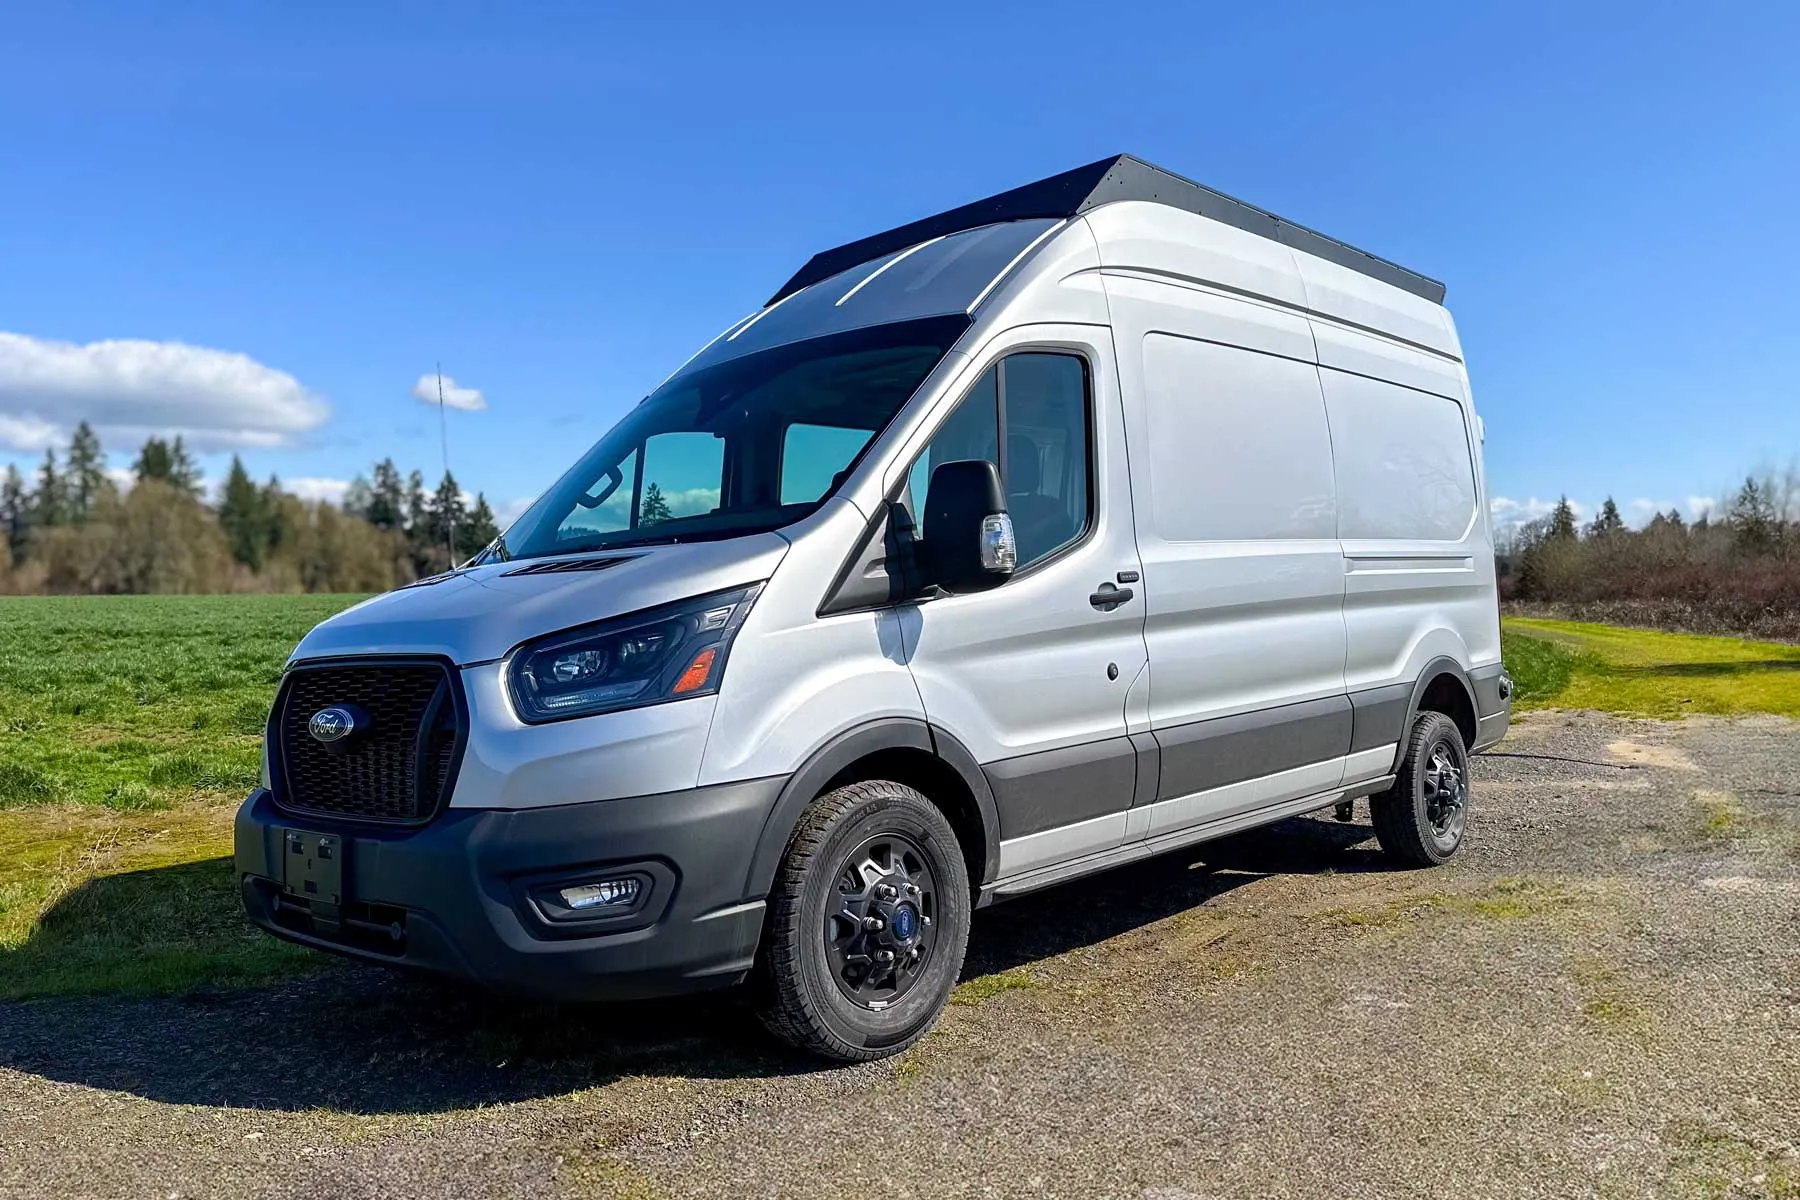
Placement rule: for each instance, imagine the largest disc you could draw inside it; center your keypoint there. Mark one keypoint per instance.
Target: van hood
(480, 614)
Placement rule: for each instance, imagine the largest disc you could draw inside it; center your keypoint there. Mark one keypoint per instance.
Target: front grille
(400, 770)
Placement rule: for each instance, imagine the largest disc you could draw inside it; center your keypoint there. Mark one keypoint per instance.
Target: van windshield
(746, 446)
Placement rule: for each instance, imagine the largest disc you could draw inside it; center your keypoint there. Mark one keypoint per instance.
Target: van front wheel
(867, 924)
(1420, 820)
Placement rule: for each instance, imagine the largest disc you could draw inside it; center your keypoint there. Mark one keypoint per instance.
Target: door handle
(1109, 597)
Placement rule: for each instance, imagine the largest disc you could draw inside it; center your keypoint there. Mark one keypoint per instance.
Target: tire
(820, 985)
(1420, 821)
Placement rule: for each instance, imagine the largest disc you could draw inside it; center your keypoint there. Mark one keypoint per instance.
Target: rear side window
(1403, 463)
(1239, 448)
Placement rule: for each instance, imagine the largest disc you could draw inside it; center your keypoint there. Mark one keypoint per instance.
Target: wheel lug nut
(873, 923)
(884, 955)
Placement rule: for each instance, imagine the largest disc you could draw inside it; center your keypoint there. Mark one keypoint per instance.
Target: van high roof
(1120, 177)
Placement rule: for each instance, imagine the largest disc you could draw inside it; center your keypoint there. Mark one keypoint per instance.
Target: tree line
(72, 529)
(1735, 571)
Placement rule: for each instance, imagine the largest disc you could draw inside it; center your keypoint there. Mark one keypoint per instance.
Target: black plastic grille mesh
(379, 777)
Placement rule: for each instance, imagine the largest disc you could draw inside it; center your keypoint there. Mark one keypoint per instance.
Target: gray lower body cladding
(458, 895)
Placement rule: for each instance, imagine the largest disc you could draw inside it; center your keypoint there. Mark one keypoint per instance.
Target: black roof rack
(1121, 177)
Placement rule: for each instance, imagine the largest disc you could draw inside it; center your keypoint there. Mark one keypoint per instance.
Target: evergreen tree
(154, 461)
(184, 472)
(244, 515)
(654, 507)
(277, 508)
(387, 497)
(85, 480)
(449, 519)
(15, 513)
(418, 509)
(1675, 521)
(358, 497)
(1608, 522)
(1754, 527)
(50, 504)
(1562, 522)
(418, 524)
(480, 530)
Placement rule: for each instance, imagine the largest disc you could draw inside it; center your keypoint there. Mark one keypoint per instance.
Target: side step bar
(1118, 856)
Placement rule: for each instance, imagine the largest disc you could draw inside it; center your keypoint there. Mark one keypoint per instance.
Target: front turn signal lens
(697, 673)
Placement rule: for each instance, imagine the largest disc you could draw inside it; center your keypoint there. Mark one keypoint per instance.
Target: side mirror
(968, 536)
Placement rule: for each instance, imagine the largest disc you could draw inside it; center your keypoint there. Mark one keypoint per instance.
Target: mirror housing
(968, 535)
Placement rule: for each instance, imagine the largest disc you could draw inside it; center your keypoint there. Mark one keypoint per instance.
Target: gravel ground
(1599, 997)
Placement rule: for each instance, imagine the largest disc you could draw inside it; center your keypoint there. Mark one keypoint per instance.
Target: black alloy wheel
(867, 923)
(1420, 821)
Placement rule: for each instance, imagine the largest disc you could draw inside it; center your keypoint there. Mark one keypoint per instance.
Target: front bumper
(455, 896)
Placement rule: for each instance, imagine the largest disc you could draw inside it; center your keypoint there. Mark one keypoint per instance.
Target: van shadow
(364, 1040)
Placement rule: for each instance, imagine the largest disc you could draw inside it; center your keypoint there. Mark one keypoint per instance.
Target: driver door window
(1028, 415)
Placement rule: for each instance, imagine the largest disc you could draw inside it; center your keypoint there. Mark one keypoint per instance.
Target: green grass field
(130, 729)
(1640, 672)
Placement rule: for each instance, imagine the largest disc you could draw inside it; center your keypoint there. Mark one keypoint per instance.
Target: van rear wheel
(1420, 820)
(867, 924)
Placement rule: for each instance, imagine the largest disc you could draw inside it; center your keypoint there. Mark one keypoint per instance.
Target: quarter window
(1028, 415)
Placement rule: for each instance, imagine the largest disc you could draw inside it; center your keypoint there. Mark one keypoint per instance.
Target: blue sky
(560, 201)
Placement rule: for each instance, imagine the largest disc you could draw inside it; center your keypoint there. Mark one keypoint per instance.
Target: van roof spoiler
(1120, 177)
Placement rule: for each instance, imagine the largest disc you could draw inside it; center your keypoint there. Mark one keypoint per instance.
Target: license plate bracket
(313, 868)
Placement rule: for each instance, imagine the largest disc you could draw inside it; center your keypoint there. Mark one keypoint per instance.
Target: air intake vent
(564, 566)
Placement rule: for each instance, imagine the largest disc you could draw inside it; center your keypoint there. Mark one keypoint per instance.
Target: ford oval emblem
(332, 724)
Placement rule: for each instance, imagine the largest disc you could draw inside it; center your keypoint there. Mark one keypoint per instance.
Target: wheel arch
(905, 750)
(1443, 687)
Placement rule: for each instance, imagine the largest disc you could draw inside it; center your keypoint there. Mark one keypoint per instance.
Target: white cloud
(129, 389)
(467, 399)
(28, 433)
(1697, 506)
(314, 487)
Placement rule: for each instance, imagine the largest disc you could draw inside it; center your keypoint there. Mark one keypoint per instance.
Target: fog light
(608, 893)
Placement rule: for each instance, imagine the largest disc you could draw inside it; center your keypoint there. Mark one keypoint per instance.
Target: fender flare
(1441, 665)
(844, 750)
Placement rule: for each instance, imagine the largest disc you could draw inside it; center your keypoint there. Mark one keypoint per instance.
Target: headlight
(668, 653)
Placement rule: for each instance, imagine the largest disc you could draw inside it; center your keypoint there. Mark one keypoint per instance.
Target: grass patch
(1720, 816)
(985, 987)
(1509, 899)
(1641, 672)
(1539, 668)
(129, 728)
(168, 692)
(99, 900)
(1710, 1160)
(21, 785)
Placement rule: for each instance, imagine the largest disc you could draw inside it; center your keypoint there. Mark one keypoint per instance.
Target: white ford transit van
(1081, 523)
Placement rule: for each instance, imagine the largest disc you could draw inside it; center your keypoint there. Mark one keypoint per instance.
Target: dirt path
(1601, 996)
